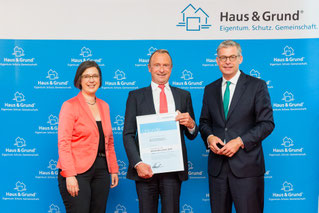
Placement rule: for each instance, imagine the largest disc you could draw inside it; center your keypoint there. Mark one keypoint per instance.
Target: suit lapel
(178, 104)
(218, 96)
(86, 109)
(102, 115)
(149, 103)
(239, 91)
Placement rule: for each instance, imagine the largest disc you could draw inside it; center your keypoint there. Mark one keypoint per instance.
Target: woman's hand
(114, 180)
(72, 186)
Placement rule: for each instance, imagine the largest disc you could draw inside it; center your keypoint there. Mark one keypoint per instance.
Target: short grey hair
(229, 43)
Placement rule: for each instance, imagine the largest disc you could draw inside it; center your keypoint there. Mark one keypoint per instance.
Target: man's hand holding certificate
(186, 120)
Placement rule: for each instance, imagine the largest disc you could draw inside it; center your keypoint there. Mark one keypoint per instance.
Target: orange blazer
(78, 137)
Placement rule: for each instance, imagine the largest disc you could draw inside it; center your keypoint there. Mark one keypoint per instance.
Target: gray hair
(229, 43)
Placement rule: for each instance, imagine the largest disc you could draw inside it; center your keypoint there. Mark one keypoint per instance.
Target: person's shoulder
(253, 79)
(179, 90)
(214, 84)
(139, 91)
(70, 104)
(71, 101)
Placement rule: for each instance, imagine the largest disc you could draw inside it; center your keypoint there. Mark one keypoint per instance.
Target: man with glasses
(159, 97)
(236, 117)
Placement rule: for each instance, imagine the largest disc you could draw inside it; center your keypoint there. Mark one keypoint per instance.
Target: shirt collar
(155, 86)
(233, 80)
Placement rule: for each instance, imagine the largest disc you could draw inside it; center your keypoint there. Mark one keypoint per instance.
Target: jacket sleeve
(264, 119)
(205, 122)
(190, 110)
(130, 130)
(113, 166)
(66, 124)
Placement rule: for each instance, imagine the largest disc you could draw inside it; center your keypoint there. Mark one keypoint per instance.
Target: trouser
(167, 186)
(246, 193)
(94, 186)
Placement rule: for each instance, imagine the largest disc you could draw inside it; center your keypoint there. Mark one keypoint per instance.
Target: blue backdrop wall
(37, 77)
(42, 42)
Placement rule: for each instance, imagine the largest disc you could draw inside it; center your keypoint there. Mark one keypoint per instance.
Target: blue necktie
(226, 99)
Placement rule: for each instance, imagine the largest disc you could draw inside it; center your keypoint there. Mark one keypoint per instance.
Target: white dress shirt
(170, 102)
(232, 86)
(169, 97)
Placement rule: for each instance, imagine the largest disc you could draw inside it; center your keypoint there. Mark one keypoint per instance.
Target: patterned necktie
(163, 100)
(226, 99)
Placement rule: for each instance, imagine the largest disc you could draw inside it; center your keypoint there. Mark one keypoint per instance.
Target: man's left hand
(185, 119)
(231, 147)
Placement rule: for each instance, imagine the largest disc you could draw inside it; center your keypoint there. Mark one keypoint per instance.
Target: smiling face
(160, 68)
(229, 68)
(90, 81)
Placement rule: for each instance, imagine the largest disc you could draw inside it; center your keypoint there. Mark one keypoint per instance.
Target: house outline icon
(52, 164)
(151, 50)
(122, 165)
(187, 209)
(119, 120)
(86, 52)
(18, 51)
(287, 187)
(53, 120)
(187, 75)
(18, 97)
(194, 19)
(54, 209)
(52, 75)
(119, 75)
(288, 51)
(20, 142)
(120, 209)
(288, 97)
(287, 142)
(255, 73)
(20, 187)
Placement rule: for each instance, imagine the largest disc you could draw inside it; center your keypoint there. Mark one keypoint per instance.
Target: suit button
(226, 129)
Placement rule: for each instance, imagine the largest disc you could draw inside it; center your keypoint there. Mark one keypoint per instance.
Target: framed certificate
(160, 142)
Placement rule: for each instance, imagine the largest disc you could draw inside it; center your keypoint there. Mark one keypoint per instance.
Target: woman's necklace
(93, 102)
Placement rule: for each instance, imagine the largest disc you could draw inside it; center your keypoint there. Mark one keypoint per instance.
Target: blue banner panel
(37, 77)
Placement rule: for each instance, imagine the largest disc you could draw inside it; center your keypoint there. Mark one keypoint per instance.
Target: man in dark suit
(159, 97)
(236, 117)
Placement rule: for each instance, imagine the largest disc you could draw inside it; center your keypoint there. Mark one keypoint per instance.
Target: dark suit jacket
(250, 117)
(140, 102)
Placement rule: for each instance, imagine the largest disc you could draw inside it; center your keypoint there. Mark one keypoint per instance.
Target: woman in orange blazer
(85, 142)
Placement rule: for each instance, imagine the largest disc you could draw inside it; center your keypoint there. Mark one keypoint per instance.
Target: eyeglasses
(88, 77)
(231, 58)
